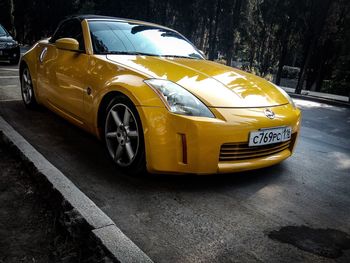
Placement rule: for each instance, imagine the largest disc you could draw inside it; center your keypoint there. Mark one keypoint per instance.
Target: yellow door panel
(62, 79)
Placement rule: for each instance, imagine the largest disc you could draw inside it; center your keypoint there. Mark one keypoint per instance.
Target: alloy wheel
(26, 85)
(122, 134)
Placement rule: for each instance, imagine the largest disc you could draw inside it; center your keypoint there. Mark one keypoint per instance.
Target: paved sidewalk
(320, 97)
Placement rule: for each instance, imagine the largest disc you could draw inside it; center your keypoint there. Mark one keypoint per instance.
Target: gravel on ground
(29, 229)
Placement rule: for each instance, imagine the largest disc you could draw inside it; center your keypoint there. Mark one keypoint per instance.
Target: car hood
(214, 84)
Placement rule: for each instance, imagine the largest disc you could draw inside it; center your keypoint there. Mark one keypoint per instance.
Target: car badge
(269, 114)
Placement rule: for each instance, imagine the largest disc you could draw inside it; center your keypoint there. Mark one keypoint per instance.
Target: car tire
(27, 89)
(123, 136)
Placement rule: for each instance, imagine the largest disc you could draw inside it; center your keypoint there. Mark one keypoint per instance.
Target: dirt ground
(29, 231)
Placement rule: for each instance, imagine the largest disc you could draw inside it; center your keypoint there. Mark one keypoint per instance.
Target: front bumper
(184, 144)
(10, 53)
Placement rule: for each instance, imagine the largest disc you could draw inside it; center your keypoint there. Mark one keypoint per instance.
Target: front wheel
(27, 90)
(123, 135)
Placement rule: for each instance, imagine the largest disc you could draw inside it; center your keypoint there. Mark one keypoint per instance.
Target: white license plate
(270, 136)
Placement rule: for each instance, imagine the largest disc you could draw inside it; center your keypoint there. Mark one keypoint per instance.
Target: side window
(70, 29)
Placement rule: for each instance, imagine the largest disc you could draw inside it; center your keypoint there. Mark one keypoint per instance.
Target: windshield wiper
(127, 53)
(177, 56)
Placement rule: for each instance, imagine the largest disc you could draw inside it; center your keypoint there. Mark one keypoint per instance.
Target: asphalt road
(219, 218)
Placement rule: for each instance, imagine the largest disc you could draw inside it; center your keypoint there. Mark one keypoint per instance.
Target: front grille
(241, 151)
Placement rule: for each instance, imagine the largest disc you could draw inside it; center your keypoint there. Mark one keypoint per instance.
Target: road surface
(219, 218)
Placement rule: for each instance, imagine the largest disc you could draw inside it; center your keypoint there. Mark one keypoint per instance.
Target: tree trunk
(202, 37)
(251, 56)
(281, 62)
(210, 34)
(12, 9)
(229, 59)
(320, 77)
(284, 50)
(212, 45)
(318, 27)
(164, 12)
(303, 69)
(235, 20)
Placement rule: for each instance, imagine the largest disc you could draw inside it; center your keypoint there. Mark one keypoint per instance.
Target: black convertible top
(82, 17)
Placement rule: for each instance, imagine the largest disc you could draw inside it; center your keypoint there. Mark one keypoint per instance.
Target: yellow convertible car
(155, 101)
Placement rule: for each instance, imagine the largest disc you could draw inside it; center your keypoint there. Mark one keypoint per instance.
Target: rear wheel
(27, 90)
(123, 135)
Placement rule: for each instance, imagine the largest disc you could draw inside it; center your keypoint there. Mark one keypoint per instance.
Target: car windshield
(114, 37)
(2, 31)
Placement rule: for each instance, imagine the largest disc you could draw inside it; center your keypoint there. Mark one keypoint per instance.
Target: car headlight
(287, 96)
(177, 99)
(12, 44)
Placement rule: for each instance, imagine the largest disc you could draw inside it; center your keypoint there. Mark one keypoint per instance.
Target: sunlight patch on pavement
(6, 100)
(342, 160)
(9, 69)
(9, 86)
(8, 77)
(307, 104)
(311, 104)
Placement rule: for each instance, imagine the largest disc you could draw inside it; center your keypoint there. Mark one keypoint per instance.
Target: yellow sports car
(155, 101)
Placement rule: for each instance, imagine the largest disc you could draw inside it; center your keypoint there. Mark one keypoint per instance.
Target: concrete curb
(320, 100)
(83, 212)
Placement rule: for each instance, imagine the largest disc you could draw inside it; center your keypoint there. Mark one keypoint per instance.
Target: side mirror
(67, 44)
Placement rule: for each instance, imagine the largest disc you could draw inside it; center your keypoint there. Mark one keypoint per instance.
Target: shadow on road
(8, 64)
(177, 216)
(79, 154)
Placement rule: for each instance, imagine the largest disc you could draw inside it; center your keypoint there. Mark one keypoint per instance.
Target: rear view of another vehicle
(9, 48)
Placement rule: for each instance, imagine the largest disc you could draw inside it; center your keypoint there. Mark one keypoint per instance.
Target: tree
(213, 28)
(289, 17)
(315, 23)
(5, 14)
(230, 23)
(264, 35)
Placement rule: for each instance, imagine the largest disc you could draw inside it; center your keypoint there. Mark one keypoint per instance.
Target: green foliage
(340, 83)
(264, 35)
(5, 14)
(87, 7)
(290, 72)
